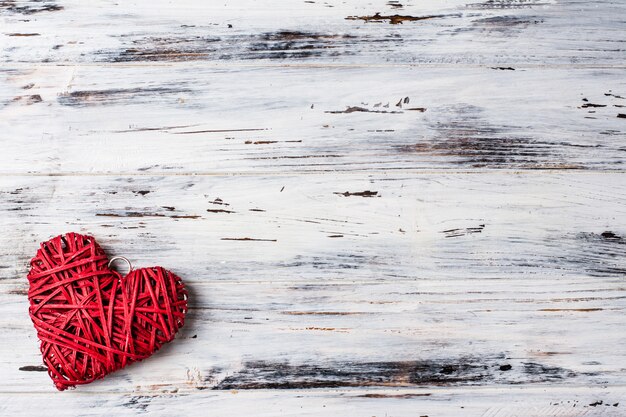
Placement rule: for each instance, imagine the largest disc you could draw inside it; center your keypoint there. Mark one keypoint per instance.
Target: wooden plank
(501, 33)
(470, 343)
(515, 401)
(514, 222)
(380, 280)
(201, 119)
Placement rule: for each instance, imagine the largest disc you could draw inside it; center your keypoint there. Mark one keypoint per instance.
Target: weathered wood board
(114, 119)
(512, 401)
(380, 32)
(380, 208)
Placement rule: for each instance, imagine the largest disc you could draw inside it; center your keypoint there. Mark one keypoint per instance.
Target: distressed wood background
(380, 208)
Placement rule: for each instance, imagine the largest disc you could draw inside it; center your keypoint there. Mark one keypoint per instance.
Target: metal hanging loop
(121, 258)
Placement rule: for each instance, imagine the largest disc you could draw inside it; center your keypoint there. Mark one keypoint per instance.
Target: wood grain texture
(387, 280)
(156, 120)
(570, 401)
(380, 32)
(380, 208)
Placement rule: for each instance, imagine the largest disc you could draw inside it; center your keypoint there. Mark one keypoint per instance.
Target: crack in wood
(463, 231)
(359, 109)
(23, 34)
(366, 193)
(33, 368)
(249, 239)
(396, 19)
(149, 214)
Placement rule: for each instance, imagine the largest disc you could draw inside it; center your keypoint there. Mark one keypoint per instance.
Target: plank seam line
(434, 390)
(569, 66)
(394, 172)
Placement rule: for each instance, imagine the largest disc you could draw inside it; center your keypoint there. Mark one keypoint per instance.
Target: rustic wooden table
(380, 208)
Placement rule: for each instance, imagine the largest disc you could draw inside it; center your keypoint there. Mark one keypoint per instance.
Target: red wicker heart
(90, 320)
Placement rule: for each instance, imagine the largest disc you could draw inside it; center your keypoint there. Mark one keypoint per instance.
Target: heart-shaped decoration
(90, 320)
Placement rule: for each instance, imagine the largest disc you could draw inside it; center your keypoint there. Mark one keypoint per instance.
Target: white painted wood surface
(372, 217)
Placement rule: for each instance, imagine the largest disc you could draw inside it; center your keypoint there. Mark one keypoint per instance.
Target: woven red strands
(92, 321)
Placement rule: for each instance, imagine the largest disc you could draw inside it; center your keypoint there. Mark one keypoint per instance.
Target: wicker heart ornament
(90, 320)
